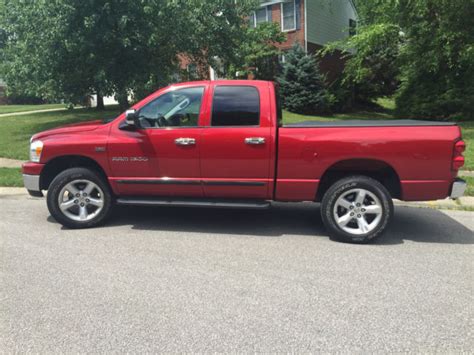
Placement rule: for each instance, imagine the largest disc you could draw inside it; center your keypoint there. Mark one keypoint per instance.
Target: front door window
(178, 108)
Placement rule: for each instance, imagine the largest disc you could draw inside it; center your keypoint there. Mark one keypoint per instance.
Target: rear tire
(356, 209)
(79, 198)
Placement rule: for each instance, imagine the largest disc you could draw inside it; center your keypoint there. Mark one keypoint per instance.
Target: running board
(186, 202)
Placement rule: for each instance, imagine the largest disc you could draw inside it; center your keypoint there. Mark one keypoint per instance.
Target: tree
(68, 50)
(212, 32)
(373, 12)
(437, 59)
(371, 69)
(421, 50)
(258, 52)
(301, 83)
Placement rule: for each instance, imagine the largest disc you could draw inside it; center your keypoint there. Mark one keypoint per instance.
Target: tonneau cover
(368, 123)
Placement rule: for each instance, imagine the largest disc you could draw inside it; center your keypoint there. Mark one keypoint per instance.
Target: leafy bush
(24, 100)
(422, 50)
(371, 68)
(437, 60)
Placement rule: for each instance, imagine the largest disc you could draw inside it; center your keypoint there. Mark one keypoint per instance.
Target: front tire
(79, 198)
(356, 209)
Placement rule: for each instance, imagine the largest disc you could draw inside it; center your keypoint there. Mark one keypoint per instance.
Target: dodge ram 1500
(222, 144)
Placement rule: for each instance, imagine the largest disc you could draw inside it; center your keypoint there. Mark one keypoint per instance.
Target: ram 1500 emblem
(129, 159)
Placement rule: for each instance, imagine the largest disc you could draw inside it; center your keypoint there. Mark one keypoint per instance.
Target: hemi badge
(100, 149)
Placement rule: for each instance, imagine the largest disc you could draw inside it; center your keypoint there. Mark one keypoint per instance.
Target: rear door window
(235, 106)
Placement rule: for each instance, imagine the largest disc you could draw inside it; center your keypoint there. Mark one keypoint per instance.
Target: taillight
(458, 159)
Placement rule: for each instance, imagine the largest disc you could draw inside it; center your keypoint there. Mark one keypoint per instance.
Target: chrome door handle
(185, 141)
(255, 140)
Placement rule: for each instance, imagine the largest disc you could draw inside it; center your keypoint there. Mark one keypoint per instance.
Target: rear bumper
(458, 188)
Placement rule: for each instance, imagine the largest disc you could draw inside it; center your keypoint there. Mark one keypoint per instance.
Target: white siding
(328, 20)
(108, 100)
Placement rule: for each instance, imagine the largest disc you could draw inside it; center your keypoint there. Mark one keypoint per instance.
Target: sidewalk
(34, 111)
(10, 163)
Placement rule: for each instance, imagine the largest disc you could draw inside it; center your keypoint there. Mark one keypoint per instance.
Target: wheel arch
(374, 168)
(59, 164)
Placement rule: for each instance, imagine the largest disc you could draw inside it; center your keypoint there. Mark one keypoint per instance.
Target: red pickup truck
(222, 144)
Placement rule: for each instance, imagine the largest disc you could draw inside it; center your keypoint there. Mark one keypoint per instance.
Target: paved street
(175, 279)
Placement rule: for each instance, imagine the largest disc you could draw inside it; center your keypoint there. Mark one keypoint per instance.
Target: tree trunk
(100, 102)
(123, 101)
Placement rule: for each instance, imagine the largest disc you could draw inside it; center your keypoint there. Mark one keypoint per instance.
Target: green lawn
(468, 136)
(15, 131)
(289, 117)
(11, 177)
(24, 108)
(470, 185)
(384, 112)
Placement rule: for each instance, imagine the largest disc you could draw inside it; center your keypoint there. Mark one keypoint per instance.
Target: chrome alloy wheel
(81, 200)
(358, 211)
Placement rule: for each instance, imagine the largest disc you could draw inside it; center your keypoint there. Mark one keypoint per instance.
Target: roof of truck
(223, 82)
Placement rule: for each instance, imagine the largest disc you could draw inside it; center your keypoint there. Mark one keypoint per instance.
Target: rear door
(237, 144)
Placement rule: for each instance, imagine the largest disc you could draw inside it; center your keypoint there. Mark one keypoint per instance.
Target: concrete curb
(465, 203)
(13, 191)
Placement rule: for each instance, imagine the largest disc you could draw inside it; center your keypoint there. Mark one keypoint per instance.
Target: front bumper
(458, 188)
(32, 184)
(31, 178)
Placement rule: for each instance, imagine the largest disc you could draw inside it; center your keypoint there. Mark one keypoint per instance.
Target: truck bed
(368, 123)
(420, 152)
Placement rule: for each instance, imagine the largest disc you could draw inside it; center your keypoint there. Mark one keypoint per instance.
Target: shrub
(302, 85)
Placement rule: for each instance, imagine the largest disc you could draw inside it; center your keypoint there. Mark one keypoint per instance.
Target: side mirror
(131, 117)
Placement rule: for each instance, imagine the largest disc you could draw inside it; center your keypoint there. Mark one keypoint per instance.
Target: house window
(193, 71)
(288, 16)
(259, 16)
(352, 27)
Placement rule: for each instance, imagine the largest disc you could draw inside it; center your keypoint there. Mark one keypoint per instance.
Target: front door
(237, 144)
(166, 147)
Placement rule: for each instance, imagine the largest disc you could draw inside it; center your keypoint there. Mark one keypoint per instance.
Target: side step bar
(186, 202)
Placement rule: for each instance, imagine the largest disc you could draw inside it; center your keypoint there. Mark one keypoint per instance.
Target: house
(312, 24)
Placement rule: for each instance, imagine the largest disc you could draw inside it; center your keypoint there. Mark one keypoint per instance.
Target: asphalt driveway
(195, 280)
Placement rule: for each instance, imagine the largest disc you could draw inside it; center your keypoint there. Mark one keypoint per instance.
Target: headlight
(36, 147)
